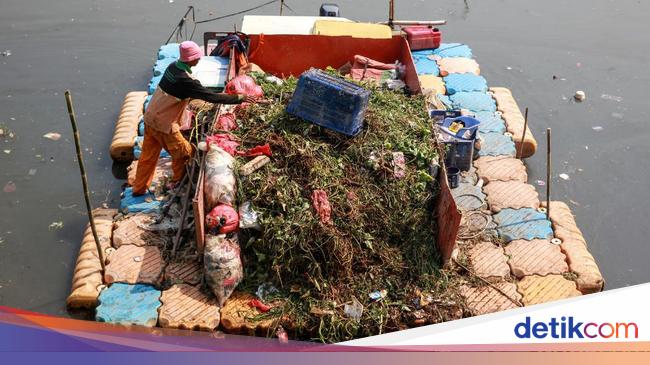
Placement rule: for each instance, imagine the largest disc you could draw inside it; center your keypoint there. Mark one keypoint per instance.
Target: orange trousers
(154, 141)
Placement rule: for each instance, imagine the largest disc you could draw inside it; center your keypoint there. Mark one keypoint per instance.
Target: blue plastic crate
(460, 145)
(330, 102)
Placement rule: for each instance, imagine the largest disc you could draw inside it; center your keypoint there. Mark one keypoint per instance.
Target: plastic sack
(248, 217)
(227, 122)
(220, 185)
(222, 219)
(223, 267)
(322, 206)
(224, 141)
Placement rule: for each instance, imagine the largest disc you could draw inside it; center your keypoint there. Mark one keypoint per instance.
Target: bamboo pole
(391, 13)
(548, 173)
(84, 179)
(281, 6)
(523, 135)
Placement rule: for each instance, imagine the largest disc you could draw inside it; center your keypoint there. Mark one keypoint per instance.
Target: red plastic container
(422, 37)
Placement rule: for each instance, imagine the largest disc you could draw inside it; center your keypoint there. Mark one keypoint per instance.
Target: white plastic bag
(220, 185)
(248, 217)
(223, 267)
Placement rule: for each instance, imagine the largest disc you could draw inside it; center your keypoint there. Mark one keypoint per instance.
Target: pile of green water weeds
(382, 231)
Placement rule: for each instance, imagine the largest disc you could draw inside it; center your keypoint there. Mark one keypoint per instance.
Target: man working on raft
(163, 117)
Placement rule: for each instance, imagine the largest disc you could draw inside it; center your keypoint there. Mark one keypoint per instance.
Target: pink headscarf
(190, 51)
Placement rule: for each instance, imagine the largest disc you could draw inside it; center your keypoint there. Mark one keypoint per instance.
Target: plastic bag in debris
(322, 206)
(354, 310)
(223, 267)
(222, 219)
(220, 185)
(227, 122)
(248, 217)
(244, 84)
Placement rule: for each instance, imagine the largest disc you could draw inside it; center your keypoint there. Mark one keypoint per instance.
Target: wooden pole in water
(523, 135)
(391, 13)
(548, 173)
(281, 6)
(84, 180)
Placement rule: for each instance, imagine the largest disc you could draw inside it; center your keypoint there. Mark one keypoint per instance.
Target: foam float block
(161, 65)
(134, 265)
(543, 289)
(170, 50)
(490, 122)
(87, 276)
(574, 246)
(496, 144)
(186, 307)
(189, 272)
(485, 299)
(466, 82)
(522, 224)
(488, 261)
(126, 127)
(426, 66)
(141, 127)
(132, 230)
(473, 101)
(432, 84)
(515, 121)
(468, 197)
(500, 168)
(449, 50)
(238, 317)
(458, 65)
(511, 194)
(146, 203)
(129, 305)
(153, 84)
(535, 257)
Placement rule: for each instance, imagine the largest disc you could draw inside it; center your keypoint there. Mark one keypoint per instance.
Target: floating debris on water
(615, 98)
(541, 182)
(564, 176)
(10, 187)
(55, 225)
(6, 53)
(52, 135)
(617, 115)
(7, 151)
(580, 95)
(31, 172)
(597, 128)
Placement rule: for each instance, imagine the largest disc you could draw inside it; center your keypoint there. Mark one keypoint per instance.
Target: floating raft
(126, 128)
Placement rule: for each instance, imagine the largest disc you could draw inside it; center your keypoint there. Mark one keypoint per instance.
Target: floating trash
(6, 53)
(580, 95)
(31, 172)
(10, 187)
(52, 135)
(378, 295)
(7, 151)
(597, 128)
(617, 115)
(56, 225)
(564, 176)
(615, 98)
(541, 183)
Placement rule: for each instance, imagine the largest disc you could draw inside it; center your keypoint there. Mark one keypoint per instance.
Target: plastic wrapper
(223, 267)
(220, 186)
(227, 122)
(248, 217)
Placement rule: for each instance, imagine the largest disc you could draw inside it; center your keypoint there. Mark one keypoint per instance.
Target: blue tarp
(146, 203)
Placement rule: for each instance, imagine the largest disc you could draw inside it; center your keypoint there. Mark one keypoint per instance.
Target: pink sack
(244, 84)
(322, 206)
(227, 122)
(224, 141)
(223, 219)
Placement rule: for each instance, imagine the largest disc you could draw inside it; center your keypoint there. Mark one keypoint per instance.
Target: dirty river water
(103, 49)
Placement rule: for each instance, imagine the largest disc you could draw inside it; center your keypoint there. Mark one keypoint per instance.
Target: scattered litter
(399, 165)
(578, 64)
(282, 335)
(10, 187)
(597, 128)
(617, 115)
(264, 290)
(587, 148)
(259, 305)
(564, 176)
(52, 135)
(541, 183)
(615, 98)
(508, 68)
(171, 1)
(378, 295)
(7, 151)
(248, 217)
(580, 95)
(31, 172)
(354, 310)
(574, 203)
(322, 206)
(63, 207)
(274, 79)
(56, 225)
(137, 259)
(2, 132)
(254, 165)
(6, 53)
